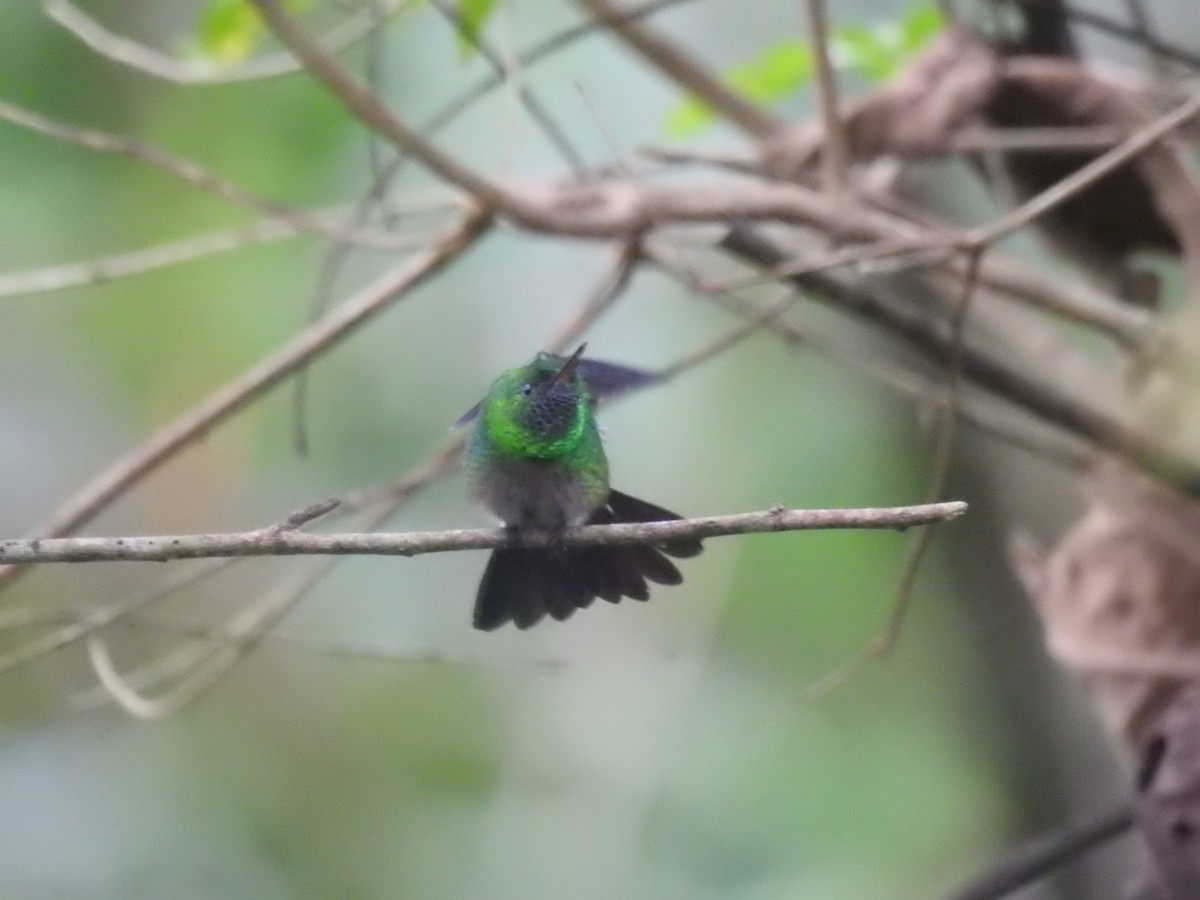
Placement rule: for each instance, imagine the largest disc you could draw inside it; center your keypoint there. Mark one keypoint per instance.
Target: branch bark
(276, 542)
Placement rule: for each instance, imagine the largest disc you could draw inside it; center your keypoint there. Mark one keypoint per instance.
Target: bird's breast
(538, 494)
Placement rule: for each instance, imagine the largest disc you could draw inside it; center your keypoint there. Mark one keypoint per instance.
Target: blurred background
(659, 750)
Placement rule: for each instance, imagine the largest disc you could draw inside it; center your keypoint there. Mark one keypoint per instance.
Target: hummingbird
(534, 457)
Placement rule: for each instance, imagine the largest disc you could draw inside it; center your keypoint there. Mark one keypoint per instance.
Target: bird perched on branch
(535, 459)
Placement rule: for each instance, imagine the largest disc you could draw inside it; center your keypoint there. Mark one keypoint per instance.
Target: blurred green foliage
(230, 31)
(784, 67)
(472, 16)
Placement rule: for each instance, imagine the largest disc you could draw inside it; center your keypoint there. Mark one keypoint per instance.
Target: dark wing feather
(607, 380)
(469, 416)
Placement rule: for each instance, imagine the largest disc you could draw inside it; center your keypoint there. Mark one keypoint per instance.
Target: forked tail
(521, 585)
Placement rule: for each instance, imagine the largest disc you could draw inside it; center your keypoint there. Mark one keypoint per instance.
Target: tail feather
(523, 585)
(565, 591)
(608, 578)
(620, 561)
(626, 508)
(654, 566)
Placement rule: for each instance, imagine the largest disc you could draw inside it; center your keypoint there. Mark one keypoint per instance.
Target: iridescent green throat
(501, 419)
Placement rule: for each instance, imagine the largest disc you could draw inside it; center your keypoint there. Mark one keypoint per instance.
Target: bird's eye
(526, 390)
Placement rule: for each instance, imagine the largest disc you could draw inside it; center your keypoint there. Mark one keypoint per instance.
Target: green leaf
(873, 51)
(781, 69)
(229, 30)
(877, 52)
(870, 52)
(688, 118)
(472, 16)
(922, 22)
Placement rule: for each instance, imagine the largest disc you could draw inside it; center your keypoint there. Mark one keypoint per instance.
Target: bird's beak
(568, 368)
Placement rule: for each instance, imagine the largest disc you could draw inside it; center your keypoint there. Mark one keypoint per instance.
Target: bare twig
(536, 109)
(197, 176)
(753, 323)
(208, 662)
(834, 153)
(88, 622)
(280, 542)
(768, 317)
(1061, 139)
(138, 262)
(537, 53)
(947, 417)
(970, 139)
(149, 259)
(943, 447)
(1045, 853)
(174, 625)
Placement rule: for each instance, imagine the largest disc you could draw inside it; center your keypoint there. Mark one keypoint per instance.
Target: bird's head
(539, 410)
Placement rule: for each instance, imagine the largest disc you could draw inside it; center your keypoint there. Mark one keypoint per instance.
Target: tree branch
(1045, 853)
(1027, 390)
(274, 541)
(148, 60)
(196, 176)
(834, 155)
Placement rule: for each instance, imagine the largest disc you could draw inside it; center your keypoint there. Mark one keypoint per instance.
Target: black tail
(523, 585)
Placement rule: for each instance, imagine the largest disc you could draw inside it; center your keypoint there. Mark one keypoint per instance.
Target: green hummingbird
(535, 459)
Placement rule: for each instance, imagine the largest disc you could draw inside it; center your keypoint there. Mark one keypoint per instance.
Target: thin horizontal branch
(103, 269)
(276, 542)
(195, 175)
(138, 262)
(1034, 139)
